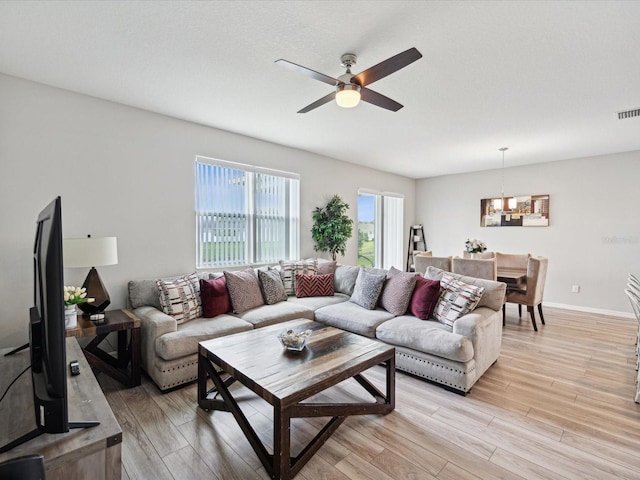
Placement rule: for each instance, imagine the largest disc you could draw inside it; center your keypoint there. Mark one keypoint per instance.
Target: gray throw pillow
(367, 289)
(271, 286)
(344, 279)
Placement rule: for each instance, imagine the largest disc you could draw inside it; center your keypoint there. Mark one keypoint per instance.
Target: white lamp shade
(90, 252)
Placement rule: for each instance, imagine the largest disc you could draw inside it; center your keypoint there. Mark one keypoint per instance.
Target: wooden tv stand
(81, 453)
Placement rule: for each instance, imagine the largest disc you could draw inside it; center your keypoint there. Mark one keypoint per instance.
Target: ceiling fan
(350, 88)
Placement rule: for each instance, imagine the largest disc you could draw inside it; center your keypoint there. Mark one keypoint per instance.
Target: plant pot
(472, 255)
(70, 317)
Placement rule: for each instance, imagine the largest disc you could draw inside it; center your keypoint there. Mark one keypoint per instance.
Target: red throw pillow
(215, 297)
(314, 285)
(425, 297)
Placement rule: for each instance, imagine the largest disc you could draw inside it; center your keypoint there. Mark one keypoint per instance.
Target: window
(380, 227)
(245, 214)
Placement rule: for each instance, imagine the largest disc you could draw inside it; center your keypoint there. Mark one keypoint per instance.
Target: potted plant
(332, 227)
(473, 246)
(72, 297)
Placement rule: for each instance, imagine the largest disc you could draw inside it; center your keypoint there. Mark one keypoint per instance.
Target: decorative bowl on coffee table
(294, 341)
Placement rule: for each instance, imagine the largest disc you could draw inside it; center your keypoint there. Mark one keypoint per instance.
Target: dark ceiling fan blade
(318, 103)
(307, 71)
(387, 67)
(379, 100)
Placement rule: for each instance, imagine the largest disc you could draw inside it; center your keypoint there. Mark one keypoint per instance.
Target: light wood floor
(558, 404)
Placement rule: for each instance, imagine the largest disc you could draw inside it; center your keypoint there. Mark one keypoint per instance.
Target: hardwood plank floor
(557, 405)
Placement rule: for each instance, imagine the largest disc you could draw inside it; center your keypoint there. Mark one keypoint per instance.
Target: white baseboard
(599, 311)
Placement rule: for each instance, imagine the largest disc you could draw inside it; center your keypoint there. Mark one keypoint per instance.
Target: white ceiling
(542, 78)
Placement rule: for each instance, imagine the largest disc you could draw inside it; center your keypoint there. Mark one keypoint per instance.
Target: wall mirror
(521, 211)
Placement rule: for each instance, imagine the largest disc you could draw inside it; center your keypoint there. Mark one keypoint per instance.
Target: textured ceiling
(543, 78)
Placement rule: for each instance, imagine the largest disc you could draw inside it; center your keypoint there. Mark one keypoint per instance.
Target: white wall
(128, 173)
(594, 235)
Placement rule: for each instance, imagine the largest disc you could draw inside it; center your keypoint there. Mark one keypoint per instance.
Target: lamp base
(96, 290)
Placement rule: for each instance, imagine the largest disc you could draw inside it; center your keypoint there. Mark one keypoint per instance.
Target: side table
(125, 368)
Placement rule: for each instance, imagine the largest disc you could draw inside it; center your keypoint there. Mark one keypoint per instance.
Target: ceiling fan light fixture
(348, 95)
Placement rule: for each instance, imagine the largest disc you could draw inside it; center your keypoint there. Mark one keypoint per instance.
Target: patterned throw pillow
(289, 270)
(456, 299)
(425, 297)
(397, 291)
(180, 297)
(244, 290)
(271, 286)
(314, 285)
(215, 296)
(367, 289)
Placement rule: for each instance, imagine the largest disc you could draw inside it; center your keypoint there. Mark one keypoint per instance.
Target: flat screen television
(47, 331)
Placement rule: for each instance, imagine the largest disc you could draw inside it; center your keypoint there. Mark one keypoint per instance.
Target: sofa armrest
(153, 324)
(483, 327)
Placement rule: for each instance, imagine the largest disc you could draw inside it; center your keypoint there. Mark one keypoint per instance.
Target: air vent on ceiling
(629, 114)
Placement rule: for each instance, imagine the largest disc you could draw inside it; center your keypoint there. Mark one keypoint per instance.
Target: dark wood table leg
(391, 381)
(134, 353)
(281, 444)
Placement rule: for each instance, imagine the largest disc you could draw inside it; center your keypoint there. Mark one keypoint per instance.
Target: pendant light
(502, 149)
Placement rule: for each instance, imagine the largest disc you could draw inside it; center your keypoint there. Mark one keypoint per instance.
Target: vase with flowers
(72, 297)
(474, 246)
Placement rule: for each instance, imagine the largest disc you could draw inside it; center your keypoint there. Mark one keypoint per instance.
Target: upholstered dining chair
(422, 262)
(482, 255)
(634, 298)
(533, 293)
(475, 267)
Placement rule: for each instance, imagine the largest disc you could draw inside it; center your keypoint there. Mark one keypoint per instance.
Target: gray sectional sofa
(454, 357)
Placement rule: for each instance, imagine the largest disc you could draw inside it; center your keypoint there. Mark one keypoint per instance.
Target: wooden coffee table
(284, 379)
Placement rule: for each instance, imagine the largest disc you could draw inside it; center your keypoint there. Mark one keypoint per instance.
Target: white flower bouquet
(75, 295)
(473, 245)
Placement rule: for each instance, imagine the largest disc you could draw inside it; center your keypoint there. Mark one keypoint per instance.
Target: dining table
(515, 279)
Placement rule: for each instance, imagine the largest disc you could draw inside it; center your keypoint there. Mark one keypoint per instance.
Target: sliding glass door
(380, 227)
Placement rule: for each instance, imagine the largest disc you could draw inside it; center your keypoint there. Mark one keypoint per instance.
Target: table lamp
(91, 252)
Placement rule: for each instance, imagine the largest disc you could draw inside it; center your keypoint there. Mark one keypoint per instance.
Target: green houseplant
(332, 227)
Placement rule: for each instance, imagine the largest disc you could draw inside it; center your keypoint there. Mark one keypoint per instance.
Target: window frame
(250, 215)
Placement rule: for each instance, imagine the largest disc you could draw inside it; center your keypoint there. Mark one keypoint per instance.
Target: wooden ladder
(417, 243)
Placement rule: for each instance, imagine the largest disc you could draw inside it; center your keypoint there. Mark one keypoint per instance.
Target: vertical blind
(244, 214)
(393, 221)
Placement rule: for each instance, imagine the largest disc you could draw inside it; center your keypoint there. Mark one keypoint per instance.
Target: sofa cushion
(353, 318)
(276, 313)
(180, 297)
(185, 340)
(456, 299)
(425, 297)
(315, 303)
(289, 270)
(367, 289)
(426, 336)
(314, 285)
(214, 296)
(397, 291)
(344, 279)
(271, 286)
(144, 293)
(244, 290)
